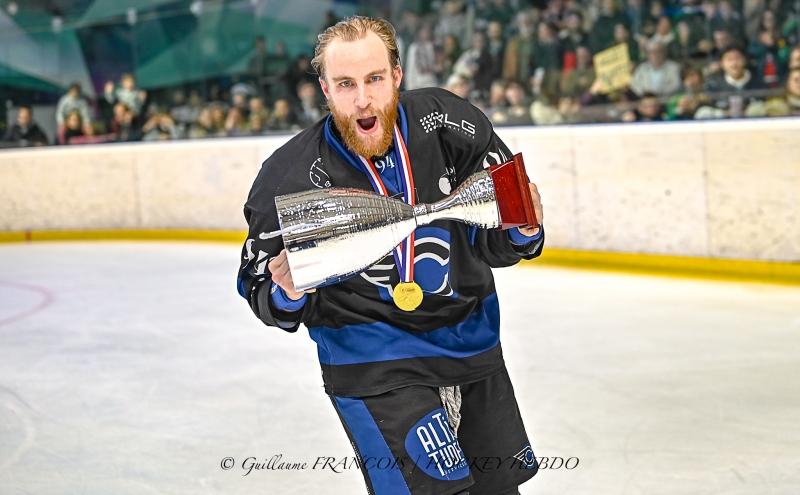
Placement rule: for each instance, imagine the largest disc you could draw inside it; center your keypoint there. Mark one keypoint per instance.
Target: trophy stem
(474, 203)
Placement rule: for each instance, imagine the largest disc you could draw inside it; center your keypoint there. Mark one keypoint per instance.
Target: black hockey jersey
(366, 344)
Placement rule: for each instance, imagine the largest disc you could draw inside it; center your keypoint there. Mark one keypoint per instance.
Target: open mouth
(367, 124)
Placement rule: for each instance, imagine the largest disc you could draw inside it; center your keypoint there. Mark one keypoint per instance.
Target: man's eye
(375, 78)
(345, 84)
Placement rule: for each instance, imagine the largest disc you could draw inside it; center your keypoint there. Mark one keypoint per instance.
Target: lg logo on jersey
(435, 120)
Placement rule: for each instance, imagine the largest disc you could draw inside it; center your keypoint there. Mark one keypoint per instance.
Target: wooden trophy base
(513, 194)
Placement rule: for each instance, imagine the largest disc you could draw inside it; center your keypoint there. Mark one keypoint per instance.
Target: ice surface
(136, 368)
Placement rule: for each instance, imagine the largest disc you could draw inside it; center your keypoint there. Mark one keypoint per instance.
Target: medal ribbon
(403, 253)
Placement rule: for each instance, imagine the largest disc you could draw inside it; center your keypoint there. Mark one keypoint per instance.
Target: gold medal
(407, 296)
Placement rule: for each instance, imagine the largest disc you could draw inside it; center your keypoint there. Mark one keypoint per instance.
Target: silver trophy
(333, 234)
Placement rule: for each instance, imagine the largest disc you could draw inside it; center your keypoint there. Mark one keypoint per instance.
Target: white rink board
(133, 368)
(718, 189)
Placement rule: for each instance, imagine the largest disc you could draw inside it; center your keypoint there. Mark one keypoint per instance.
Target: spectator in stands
(215, 97)
(73, 128)
(452, 22)
(218, 117)
(517, 112)
(721, 41)
(204, 127)
(447, 57)
(570, 109)
(735, 75)
(419, 71)
(688, 49)
(283, 119)
(467, 64)
(547, 49)
(310, 107)
(765, 50)
(278, 65)
(178, 106)
(666, 37)
(235, 123)
(257, 107)
(497, 102)
(278, 62)
(687, 106)
(25, 132)
(696, 16)
(122, 125)
(734, 78)
(553, 13)
(794, 58)
(257, 65)
(184, 114)
(658, 75)
(566, 111)
(727, 19)
(196, 103)
(580, 79)
(648, 109)
(128, 94)
(256, 125)
(518, 63)
(786, 104)
(496, 11)
(106, 106)
(240, 94)
(602, 33)
(159, 127)
(301, 71)
(623, 37)
(573, 35)
(71, 102)
(692, 80)
(650, 20)
(490, 62)
(459, 86)
(548, 56)
(636, 10)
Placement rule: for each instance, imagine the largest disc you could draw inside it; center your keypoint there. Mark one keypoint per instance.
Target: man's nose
(362, 97)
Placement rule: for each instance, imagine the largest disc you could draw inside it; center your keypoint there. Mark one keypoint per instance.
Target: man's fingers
(537, 202)
(276, 262)
(282, 276)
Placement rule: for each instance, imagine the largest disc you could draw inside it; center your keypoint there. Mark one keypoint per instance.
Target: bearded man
(423, 395)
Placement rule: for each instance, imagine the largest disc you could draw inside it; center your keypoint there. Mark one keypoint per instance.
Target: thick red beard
(367, 146)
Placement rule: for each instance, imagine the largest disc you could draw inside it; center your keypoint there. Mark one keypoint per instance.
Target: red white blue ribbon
(403, 253)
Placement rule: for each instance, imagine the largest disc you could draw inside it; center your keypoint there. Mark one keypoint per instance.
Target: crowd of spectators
(124, 113)
(522, 64)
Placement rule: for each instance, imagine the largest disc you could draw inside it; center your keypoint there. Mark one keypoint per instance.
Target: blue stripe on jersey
(471, 233)
(372, 447)
(375, 342)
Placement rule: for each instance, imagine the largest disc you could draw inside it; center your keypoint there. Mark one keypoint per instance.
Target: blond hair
(352, 29)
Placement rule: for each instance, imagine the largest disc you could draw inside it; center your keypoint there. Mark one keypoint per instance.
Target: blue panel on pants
(370, 444)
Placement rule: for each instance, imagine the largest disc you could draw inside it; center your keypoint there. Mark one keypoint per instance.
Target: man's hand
(282, 276)
(537, 208)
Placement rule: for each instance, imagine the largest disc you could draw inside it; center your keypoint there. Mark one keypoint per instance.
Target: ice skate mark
(9, 401)
(47, 300)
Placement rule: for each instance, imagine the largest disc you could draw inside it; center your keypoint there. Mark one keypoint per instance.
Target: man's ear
(398, 75)
(324, 87)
